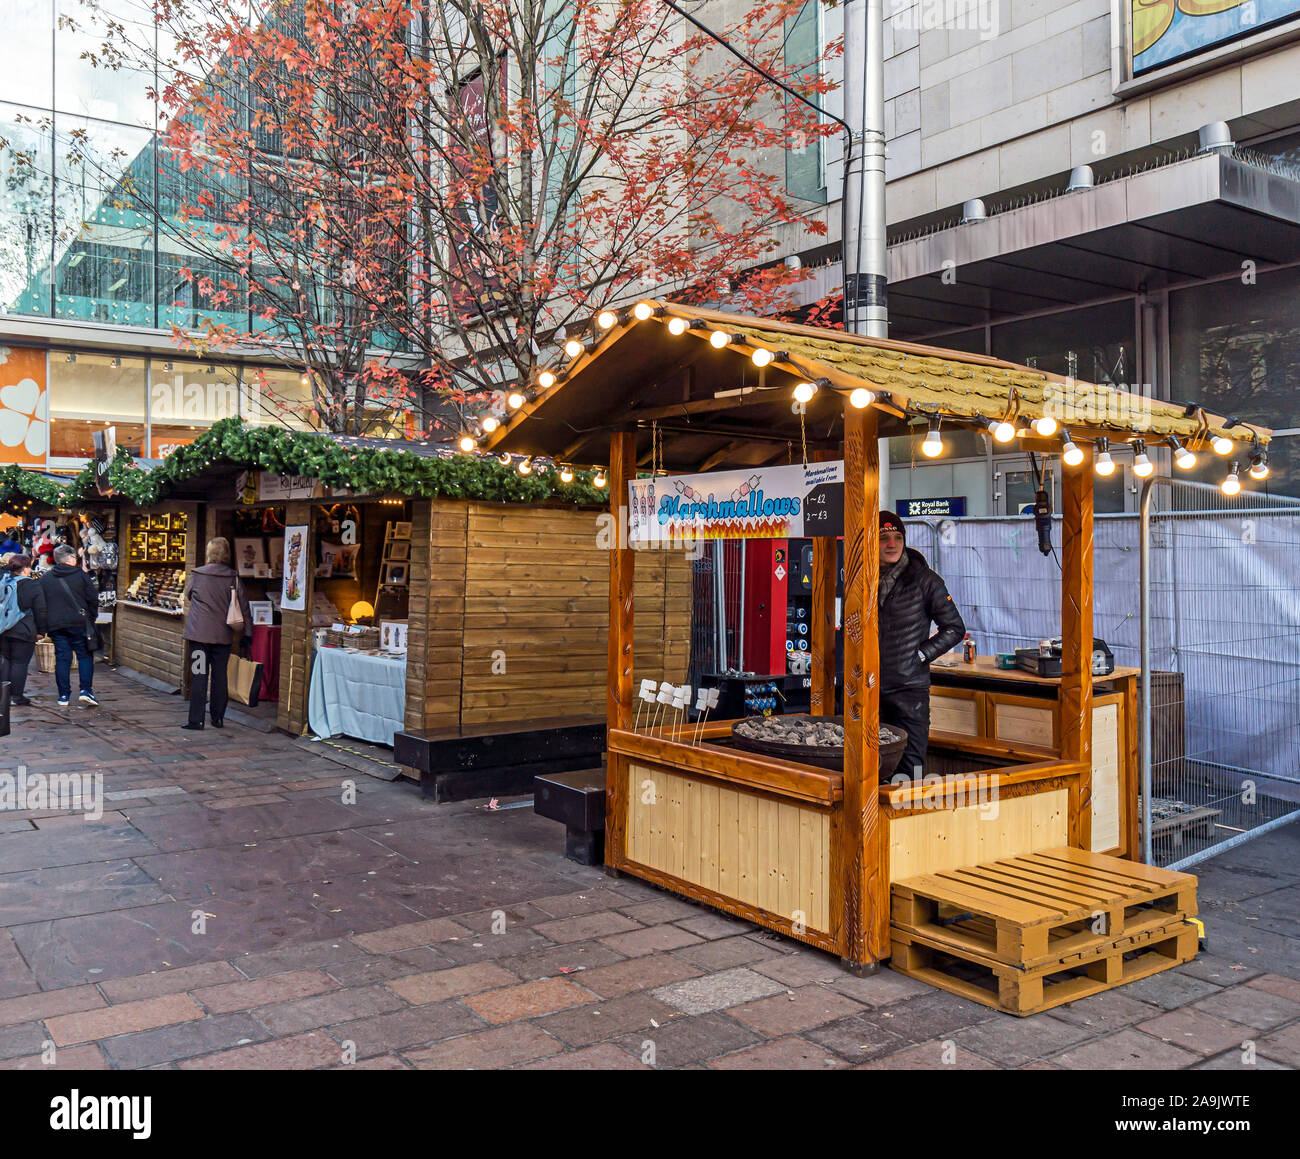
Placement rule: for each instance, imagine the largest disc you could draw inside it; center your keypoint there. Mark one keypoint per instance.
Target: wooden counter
(1011, 705)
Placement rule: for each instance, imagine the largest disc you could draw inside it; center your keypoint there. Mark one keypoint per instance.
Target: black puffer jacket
(918, 596)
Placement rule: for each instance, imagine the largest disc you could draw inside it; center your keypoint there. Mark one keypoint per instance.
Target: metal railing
(1219, 740)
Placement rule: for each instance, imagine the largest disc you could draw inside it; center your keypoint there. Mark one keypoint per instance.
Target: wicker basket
(366, 638)
(45, 655)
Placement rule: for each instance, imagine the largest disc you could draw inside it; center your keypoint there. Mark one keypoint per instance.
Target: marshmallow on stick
(647, 697)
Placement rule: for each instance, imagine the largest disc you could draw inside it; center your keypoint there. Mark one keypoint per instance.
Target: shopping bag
(45, 655)
(243, 680)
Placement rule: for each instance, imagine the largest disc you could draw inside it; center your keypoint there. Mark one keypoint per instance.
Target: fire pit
(812, 740)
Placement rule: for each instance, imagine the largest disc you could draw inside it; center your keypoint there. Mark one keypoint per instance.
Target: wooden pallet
(1023, 992)
(1035, 910)
(1198, 822)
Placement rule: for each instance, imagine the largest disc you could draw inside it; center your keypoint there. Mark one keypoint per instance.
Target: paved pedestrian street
(230, 910)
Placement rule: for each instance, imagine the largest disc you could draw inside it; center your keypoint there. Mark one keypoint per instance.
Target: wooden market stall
(809, 851)
(499, 582)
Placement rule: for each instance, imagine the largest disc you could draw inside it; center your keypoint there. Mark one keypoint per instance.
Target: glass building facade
(89, 232)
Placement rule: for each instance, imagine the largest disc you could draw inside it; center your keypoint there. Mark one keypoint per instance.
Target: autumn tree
(467, 181)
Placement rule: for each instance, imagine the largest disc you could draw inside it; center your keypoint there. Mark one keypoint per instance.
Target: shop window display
(1236, 350)
(90, 391)
(185, 398)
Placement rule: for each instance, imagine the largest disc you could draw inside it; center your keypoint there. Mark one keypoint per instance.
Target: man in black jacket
(911, 596)
(71, 606)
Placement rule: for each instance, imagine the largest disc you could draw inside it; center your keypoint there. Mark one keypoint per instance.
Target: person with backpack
(22, 620)
(213, 622)
(71, 608)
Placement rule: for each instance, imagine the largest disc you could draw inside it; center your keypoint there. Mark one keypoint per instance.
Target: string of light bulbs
(1002, 430)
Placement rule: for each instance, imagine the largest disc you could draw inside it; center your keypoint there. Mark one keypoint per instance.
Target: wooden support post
(1076, 642)
(295, 635)
(859, 856)
(619, 693)
(823, 618)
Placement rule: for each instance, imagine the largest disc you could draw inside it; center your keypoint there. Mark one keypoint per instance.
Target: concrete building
(1059, 199)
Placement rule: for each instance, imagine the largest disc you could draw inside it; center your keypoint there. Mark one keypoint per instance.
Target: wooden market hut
(802, 850)
(505, 584)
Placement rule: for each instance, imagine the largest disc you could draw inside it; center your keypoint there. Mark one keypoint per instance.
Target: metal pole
(1144, 651)
(720, 606)
(863, 249)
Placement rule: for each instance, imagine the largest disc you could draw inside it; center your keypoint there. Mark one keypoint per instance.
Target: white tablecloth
(357, 695)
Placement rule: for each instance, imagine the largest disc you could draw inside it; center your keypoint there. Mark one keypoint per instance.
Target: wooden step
(1034, 910)
(1030, 991)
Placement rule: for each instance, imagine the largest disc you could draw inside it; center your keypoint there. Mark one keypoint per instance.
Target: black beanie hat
(890, 521)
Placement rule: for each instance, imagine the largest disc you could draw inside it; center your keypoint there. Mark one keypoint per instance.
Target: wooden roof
(715, 408)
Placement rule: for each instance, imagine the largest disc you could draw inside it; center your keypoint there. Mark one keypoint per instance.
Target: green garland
(284, 452)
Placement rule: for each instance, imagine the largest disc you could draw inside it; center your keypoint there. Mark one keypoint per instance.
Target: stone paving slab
(397, 934)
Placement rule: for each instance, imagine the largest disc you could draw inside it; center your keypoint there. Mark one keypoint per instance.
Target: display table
(265, 651)
(356, 694)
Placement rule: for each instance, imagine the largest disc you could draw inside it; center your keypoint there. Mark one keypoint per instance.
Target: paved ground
(229, 910)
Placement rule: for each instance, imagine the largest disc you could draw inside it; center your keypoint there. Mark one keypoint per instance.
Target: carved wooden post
(823, 618)
(619, 693)
(865, 897)
(1076, 642)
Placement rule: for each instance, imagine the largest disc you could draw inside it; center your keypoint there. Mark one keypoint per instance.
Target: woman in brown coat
(206, 601)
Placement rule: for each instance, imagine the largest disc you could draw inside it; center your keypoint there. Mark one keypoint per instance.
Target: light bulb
(718, 339)
(861, 398)
(932, 446)
(1045, 426)
(1142, 466)
(1231, 485)
(490, 424)
(642, 311)
(546, 380)
(1071, 456)
(606, 319)
(1001, 430)
(566, 474)
(1221, 444)
(1105, 464)
(573, 348)
(1259, 467)
(467, 443)
(599, 480)
(504, 459)
(678, 326)
(1184, 459)
(761, 357)
(804, 392)
(525, 466)
(514, 400)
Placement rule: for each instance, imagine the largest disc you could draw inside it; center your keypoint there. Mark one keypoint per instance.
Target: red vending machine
(766, 580)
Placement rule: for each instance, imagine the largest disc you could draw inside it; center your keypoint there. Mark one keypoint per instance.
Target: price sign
(823, 510)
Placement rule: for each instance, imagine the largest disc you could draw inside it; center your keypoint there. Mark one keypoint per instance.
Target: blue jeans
(66, 642)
